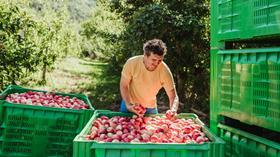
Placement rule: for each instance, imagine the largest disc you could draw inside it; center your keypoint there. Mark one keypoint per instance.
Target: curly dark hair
(155, 46)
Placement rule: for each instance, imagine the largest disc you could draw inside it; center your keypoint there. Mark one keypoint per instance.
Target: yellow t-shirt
(144, 84)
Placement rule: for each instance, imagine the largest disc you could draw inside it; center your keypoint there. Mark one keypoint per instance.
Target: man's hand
(141, 110)
(138, 109)
(171, 114)
(130, 107)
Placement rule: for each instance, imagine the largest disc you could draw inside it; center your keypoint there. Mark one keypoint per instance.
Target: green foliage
(102, 38)
(80, 10)
(33, 34)
(70, 14)
(63, 36)
(18, 53)
(102, 32)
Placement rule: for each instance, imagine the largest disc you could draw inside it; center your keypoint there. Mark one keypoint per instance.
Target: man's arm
(169, 86)
(124, 85)
(173, 100)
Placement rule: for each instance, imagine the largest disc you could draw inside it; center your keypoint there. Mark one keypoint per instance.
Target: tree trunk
(43, 81)
(1, 83)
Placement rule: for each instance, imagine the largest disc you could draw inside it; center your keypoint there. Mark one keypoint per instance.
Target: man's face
(151, 62)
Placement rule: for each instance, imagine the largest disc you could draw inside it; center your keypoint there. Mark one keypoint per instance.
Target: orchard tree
(18, 52)
(29, 44)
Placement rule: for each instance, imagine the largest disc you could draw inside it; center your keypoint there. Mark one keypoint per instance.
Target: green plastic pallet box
(91, 148)
(249, 88)
(33, 131)
(244, 19)
(243, 144)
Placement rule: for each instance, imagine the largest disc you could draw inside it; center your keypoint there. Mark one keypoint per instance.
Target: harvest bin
(28, 130)
(243, 144)
(243, 19)
(249, 89)
(90, 148)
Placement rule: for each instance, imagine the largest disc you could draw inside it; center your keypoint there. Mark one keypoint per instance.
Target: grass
(85, 76)
(70, 75)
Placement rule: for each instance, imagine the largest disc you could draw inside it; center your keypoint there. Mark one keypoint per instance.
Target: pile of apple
(146, 129)
(47, 99)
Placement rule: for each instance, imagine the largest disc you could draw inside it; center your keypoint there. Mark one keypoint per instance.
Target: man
(143, 76)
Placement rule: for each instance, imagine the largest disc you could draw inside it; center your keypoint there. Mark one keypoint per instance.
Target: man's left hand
(171, 114)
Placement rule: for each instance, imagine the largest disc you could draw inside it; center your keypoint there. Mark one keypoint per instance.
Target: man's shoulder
(135, 59)
(164, 65)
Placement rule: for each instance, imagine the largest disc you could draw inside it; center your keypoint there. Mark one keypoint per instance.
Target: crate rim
(249, 135)
(46, 108)
(19, 105)
(249, 50)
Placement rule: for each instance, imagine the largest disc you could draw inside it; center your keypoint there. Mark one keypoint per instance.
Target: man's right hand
(141, 110)
(131, 108)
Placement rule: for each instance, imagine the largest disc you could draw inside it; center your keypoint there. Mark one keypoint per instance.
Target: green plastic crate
(34, 131)
(214, 100)
(90, 148)
(242, 144)
(243, 19)
(249, 88)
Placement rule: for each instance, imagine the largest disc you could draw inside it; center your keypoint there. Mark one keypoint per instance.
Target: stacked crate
(245, 76)
(27, 130)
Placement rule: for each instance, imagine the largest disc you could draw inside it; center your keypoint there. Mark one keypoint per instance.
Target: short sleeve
(167, 80)
(127, 71)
